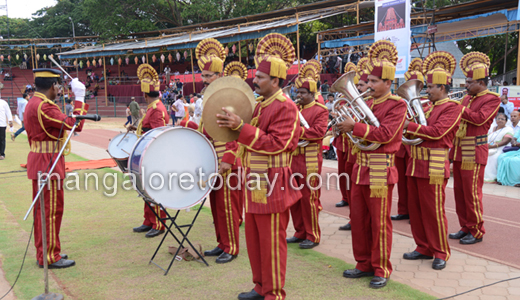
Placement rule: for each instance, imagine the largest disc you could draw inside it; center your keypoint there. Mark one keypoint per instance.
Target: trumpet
(410, 92)
(354, 108)
(457, 96)
(287, 91)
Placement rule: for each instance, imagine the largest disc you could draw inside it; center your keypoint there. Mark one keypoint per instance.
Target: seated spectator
(7, 76)
(508, 172)
(330, 102)
(499, 136)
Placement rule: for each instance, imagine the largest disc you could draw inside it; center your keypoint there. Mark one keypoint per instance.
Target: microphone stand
(43, 183)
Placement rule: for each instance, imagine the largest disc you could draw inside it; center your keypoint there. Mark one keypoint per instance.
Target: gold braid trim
(68, 147)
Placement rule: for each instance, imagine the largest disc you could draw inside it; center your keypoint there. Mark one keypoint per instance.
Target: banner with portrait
(393, 24)
(513, 94)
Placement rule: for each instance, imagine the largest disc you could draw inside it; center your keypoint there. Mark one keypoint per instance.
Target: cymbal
(228, 82)
(232, 95)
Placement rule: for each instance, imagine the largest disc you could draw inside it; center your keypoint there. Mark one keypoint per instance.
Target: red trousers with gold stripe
(371, 230)
(467, 187)
(150, 219)
(53, 199)
(305, 212)
(349, 169)
(225, 208)
(342, 163)
(402, 185)
(428, 217)
(267, 250)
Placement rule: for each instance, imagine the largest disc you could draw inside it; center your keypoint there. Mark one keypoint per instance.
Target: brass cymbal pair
(236, 96)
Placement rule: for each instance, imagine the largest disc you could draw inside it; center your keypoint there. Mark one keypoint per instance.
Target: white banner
(393, 24)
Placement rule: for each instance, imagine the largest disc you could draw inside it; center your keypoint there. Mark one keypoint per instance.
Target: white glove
(78, 89)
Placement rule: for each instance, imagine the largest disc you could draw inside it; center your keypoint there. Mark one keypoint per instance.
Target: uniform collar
(382, 99)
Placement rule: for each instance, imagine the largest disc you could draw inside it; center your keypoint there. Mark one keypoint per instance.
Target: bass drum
(120, 148)
(170, 163)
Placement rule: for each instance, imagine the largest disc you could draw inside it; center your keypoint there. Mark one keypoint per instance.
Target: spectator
(508, 172)
(167, 70)
(134, 110)
(499, 136)
(514, 81)
(325, 87)
(178, 107)
(330, 102)
(5, 118)
(179, 86)
(7, 76)
(22, 102)
(198, 109)
(508, 106)
(515, 118)
(293, 91)
(128, 115)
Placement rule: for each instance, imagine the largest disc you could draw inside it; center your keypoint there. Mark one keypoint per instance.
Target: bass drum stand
(182, 229)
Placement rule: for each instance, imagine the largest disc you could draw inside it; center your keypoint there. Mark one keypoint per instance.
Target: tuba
(287, 91)
(354, 108)
(410, 92)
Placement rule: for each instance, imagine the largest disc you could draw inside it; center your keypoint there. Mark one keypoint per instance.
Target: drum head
(119, 147)
(172, 165)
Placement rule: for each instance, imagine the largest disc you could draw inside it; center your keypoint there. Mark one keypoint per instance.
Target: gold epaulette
(454, 101)
(493, 93)
(322, 106)
(281, 98)
(393, 97)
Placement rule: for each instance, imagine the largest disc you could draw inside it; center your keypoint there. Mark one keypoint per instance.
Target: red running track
(501, 221)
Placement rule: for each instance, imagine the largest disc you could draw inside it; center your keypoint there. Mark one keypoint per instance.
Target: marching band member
(470, 151)
(308, 160)
(225, 202)
(361, 84)
(402, 156)
(374, 173)
(46, 126)
(156, 116)
(268, 143)
(428, 168)
(342, 153)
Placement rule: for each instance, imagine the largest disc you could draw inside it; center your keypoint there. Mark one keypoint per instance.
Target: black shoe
(378, 282)
(415, 255)
(225, 258)
(215, 252)
(64, 256)
(142, 228)
(355, 273)
(469, 239)
(253, 295)
(153, 233)
(61, 264)
(308, 244)
(438, 264)
(345, 227)
(342, 203)
(399, 218)
(457, 235)
(294, 240)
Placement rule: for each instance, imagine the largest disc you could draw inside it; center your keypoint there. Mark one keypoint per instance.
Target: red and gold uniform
(403, 155)
(374, 173)
(428, 169)
(156, 116)
(342, 152)
(268, 144)
(470, 149)
(308, 161)
(226, 202)
(44, 122)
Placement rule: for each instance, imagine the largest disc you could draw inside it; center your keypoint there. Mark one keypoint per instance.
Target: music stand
(179, 227)
(43, 183)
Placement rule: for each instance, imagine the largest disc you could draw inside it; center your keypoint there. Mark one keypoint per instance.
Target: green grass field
(112, 262)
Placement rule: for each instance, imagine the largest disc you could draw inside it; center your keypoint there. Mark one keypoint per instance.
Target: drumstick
(125, 151)
(122, 138)
(52, 59)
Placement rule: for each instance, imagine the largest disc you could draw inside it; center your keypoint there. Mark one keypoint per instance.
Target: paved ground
(463, 272)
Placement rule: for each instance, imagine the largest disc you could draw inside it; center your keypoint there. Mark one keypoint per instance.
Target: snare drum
(120, 148)
(169, 162)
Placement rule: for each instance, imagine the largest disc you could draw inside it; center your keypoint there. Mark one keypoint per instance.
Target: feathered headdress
(149, 79)
(274, 55)
(236, 68)
(439, 67)
(415, 70)
(308, 76)
(362, 72)
(382, 59)
(475, 65)
(210, 55)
